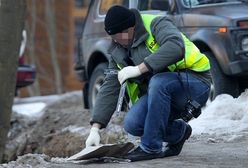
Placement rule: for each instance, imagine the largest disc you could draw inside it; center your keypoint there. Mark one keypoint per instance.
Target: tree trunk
(34, 89)
(11, 25)
(51, 30)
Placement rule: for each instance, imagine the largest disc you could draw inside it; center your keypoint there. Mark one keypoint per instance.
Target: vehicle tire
(85, 96)
(221, 82)
(96, 80)
(243, 84)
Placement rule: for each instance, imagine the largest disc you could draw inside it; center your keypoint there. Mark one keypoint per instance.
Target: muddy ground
(62, 130)
(196, 154)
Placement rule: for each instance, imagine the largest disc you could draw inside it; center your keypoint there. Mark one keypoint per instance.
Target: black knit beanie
(118, 18)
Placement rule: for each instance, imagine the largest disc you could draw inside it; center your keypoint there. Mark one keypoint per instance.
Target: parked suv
(25, 73)
(219, 28)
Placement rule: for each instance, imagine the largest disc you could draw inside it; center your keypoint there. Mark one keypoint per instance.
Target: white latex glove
(94, 137)
(128, 72)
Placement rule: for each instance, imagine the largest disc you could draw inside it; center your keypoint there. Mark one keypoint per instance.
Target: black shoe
(175, 149)
(138, 154)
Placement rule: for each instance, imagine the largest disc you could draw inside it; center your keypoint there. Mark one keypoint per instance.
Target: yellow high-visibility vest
(193, 60)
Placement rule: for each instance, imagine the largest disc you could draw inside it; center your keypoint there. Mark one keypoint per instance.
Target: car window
(204, 2)
(106, 4)
(153, 5)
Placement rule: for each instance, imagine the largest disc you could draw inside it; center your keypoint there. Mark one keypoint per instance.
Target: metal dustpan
(106, 151)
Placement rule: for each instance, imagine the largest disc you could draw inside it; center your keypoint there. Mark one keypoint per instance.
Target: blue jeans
(156, 115)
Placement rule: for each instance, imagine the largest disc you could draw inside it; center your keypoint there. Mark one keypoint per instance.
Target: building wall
(66, 13)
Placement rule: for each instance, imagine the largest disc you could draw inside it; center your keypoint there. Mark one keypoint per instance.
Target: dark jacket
(171, 50)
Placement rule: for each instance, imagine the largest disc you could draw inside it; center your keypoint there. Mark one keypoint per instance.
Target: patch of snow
(224, 115)
(45, 99)
(29, 161)
(30, 109)
(35, 106)
(49, 99)
(59, 160)
(82, 131)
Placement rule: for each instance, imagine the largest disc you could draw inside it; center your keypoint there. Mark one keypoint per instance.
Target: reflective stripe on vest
(195, 60)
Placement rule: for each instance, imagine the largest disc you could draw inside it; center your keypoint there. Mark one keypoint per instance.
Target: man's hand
(128, 72)
(94, 137)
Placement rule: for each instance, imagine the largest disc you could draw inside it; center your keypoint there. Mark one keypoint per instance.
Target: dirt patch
(60, 132)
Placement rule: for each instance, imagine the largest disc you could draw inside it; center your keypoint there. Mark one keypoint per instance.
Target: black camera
(192, 109)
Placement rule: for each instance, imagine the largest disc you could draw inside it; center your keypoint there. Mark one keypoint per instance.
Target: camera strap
(186, 90)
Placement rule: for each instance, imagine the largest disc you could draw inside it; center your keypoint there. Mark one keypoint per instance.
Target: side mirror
(172, 6)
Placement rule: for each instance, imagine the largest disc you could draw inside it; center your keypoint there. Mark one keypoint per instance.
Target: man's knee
(159, 81)
(155, 82)
(166, 81)
(131, 127)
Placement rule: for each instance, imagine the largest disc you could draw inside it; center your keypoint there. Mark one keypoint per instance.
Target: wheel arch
(207, 42)
(202, 46)
(229, 86)
(96, 58)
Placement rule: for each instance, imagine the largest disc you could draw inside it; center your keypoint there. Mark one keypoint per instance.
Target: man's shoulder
(164, 24)
(161, 20)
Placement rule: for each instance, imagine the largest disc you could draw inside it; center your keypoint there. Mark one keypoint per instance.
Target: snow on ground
(224, 115)
(35, 106)
(30, 109)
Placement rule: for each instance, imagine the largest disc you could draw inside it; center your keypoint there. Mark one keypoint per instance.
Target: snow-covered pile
(224, 115)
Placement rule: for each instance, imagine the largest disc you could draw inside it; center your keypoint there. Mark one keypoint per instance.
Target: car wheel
(243, 84)
(221, 82)
(95, 83)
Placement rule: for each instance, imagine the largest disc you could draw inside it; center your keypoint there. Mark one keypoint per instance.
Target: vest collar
(140, 33)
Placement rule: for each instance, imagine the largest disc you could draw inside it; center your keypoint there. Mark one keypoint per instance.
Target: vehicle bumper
(81, 74)
(25, 75)
(239, 67)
